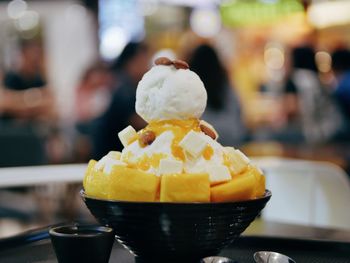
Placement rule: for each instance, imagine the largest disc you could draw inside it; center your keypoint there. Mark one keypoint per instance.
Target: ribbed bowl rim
(266, 197)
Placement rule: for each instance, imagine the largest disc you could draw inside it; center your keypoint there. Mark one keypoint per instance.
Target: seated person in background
(223, 109)
(129, 67)
(27, 111)
(27, 96)
(313, 107)
(341, 69)
(93, 96)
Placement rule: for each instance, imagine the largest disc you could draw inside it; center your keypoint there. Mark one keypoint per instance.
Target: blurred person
(129, 67)
(341, 69)
(308, 104)
(223, 109)
(27, 110)
(93, 93)
(25, 89)
(93, 96)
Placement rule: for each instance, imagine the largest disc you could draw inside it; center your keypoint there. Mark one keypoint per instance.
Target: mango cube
(248, 185)
(128, 184)
(259, 189)
(88, 172)
(238, 189)
(96, 182)
(185, 188)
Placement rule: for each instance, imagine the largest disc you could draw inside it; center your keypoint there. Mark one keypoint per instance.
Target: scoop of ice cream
(166, 93)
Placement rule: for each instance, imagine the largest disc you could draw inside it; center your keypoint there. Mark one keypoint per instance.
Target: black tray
(242, 250)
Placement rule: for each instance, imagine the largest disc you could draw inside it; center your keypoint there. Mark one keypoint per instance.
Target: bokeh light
(75, 11)
(323, 61)
(27, 21)
(205, 22)
(113, 41)
(274, 57)
(16, 8)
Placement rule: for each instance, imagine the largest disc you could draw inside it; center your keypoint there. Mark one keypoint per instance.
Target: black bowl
(175, 232)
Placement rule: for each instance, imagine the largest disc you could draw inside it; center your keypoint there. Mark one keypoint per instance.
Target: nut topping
(163, 61)
(146, 138)
(180, 64)
(208, 130)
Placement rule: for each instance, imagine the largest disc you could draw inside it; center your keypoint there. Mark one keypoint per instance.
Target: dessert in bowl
(174, 194)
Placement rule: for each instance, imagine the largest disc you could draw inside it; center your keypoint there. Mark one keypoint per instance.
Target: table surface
(42, 174)
(42, 251)
(275, 229)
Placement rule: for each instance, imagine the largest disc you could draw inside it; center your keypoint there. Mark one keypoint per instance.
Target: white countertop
(43, 174)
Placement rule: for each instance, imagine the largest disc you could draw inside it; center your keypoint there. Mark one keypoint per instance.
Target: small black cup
(82, 243)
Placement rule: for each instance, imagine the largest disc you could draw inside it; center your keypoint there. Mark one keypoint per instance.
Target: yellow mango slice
(245, 186)
(185, 188)
(89, 171)
(95, 182)
(128, 184)
(259, 189)
(238, 189)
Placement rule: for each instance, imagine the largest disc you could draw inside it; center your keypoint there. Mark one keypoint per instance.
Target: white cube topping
(238, 161)
(115, 155)
(193, 143)
(126, 135)
(167, 166)
(106, 164)
(218, 173)
(110, 164)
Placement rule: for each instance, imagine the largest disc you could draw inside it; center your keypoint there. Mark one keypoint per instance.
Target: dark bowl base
(175, 232)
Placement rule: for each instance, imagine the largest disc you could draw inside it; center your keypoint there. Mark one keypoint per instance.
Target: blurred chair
(20, 145)
(306, 192)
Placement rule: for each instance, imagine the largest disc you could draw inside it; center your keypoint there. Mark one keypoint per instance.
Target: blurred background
(277, 73)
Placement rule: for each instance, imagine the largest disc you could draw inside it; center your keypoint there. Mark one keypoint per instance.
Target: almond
(180, 64)
(146, 138)
(163, 61)
(208, 130)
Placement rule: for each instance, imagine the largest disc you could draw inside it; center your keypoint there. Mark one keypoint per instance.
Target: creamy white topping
(166, 93)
